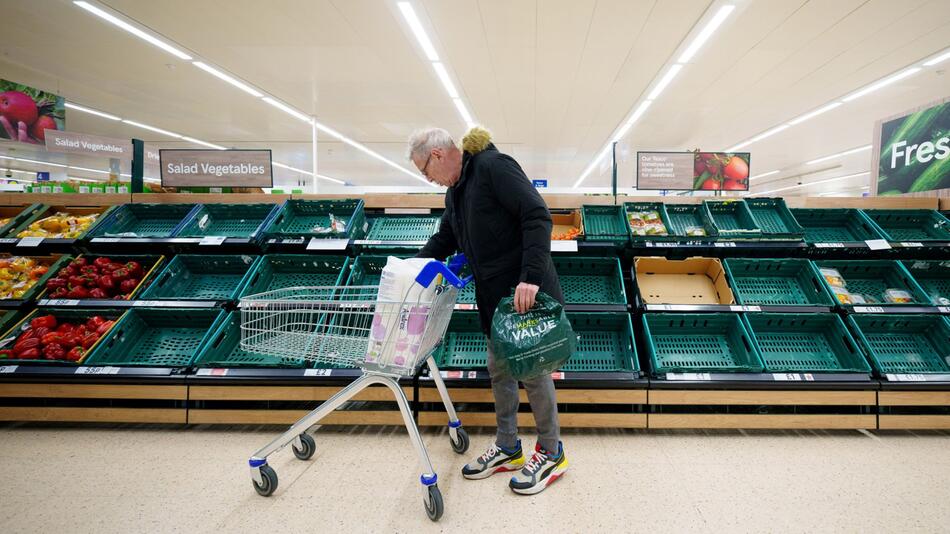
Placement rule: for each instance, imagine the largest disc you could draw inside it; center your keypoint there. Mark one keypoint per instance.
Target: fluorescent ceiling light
(664, 81)
(706, 33)
(880, 84)
(770, 173)
(203, 143)
(334, 180)
(77, 107)
(287, 109)
(78, 179)
(422, 38)
(836, 178)
(231, 80)
(761, 136)
(839, 154)
(602, 155)
(463, 111)
(133, 30)
(815, 113)
(937, 59)
(152, 128)
(24, 160)
(641, 109)
(87, 169)
(308, 173)
(446, 81)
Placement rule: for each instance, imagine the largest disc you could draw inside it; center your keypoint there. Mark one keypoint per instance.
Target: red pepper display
(98, 294)
(75, 354)
(78, 292)
(6, 354)
(54, 351)
(67, 340)
(48, 321)
(115, 280)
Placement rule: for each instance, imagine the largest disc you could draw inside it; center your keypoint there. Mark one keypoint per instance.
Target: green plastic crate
(835, 225)
(904, 343)
(685, 216)
(301, 218)
(56, 262)
(366, 270)
(402, 228)
(873, 277)
(12, 330)
(604, 223)
(142, 220)
(605, 345)
(227, 220)
(279, 271)
(731, 218)
(201, 277)
(224, 349)
(706, 342)
(794, 282)
(590, 280)
(805, 342)
(672, 232)
(911, 225)
(774, 219)
(157, 337)
(17, 215)
(933, 277)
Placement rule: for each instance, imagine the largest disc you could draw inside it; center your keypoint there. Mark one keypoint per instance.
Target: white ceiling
(552, 79)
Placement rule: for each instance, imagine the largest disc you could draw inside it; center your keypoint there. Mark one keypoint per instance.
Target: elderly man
(495, 216)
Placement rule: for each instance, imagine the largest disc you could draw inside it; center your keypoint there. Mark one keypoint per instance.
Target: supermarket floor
(364, 479)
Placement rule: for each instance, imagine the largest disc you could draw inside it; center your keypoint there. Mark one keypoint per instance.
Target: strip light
(761, 136)
(287, 109)
(409, 14)
(839, 154)
(152, 128)
(145, 36)
(815, 113)
(77, 107)
(881, 84)
(659, 86)
(203, 143)
(231, 80)
(764, 174)
(836, 178)
(937, 59)
(308, 173)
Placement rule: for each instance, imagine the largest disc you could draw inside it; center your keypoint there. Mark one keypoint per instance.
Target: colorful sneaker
(495, 459)
(540, 472)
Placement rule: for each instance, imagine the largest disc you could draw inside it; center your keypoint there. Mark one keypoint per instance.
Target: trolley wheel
(434, 506)
(269, 477)
(460, 445)
(309, 447)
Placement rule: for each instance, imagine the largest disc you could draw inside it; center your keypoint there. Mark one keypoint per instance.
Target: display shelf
(54, 263)
(904, 344)
(870, 279)
(699, 343)
(772, 216)
(399, 231)
(911, 225)
(125, 304)
(75, 315)
(300, 220)
(839, 227)
(133, 222)
(805, 343)
(933, 277)
(150, 264)
(202, 277)
(279, 271)
(605, 224)
(732, 219)
(16, 215)
(237, 221)
(778, 282)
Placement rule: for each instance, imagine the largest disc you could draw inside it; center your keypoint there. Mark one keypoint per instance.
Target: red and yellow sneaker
(540, 472)
(494, 460)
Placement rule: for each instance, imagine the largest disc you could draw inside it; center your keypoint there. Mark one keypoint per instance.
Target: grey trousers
(543, 401)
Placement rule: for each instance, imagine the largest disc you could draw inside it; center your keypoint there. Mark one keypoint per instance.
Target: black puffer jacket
(497, 218)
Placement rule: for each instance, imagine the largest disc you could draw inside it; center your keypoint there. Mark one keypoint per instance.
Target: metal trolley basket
(348, 325)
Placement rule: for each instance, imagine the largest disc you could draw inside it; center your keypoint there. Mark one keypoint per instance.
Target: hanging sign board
(216, 168)
(693, 171)
(912, 151)
(91, 145)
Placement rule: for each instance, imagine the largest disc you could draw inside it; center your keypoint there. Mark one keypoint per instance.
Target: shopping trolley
(350, 326)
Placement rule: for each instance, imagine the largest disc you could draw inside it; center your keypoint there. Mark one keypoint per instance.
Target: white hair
(422, 141)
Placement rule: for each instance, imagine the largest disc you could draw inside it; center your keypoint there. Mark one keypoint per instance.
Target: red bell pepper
(76, 281)
(120, 274)
(65, 327)
(88, 270)
(54, 351)
(104, 327)
(101, 262)
(89, 340)
(128, 286)
(56, 283)
(39, 332)
(94, 322)
(75, 354)
(135, 269)
(26, 344)
(52, 337)
(59, 292)
(106, 282)
(98, 293)
(80, 262)
(111, 267)
(29, 354)
(78, 292)
(49, 321)
(6, 354)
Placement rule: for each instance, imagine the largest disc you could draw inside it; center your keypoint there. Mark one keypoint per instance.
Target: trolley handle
(435, 268)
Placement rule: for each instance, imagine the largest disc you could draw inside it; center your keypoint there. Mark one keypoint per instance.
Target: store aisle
(362, 479)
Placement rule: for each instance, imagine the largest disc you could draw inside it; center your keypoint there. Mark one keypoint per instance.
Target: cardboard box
(689, 281)
(563, 222)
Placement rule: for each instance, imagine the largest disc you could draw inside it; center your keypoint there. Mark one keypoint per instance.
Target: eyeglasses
(426, 166)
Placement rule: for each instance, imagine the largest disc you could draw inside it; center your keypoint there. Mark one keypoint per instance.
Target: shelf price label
(212, 372)
(559, 375)
(724, 244)
(868, 309)
(829, 245)
(745, 308)
(107, 370)
(30, 242)
(910, 244)
(464, 306)
(105, 240)
(878, 244)
(7, 369)
(60, 302)
(327, 244)
(688, 376)
(563, 245)
(943, 309)
(213, 240)
(452, 374)
(907, 378)
(317, 372)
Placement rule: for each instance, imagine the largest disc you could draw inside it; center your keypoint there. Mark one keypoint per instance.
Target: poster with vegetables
(26, 112)
(686, 171)
(913, 153)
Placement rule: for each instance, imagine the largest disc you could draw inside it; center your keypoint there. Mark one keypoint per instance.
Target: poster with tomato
(693, 171)
(721, 171)
(26, 112)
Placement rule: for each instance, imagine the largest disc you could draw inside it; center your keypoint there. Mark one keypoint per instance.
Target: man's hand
(20, 133)
(524, 296)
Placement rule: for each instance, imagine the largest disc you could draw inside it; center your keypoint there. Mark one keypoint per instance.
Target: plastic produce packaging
(695, 231)
(60, 225)
(833, 277)
(534, 343)
(646, 223)
(337, 226)
(842, 294)
(402, 309)
(898, 296)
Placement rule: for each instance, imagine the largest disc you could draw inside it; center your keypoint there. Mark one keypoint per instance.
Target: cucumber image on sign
(915, 152)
